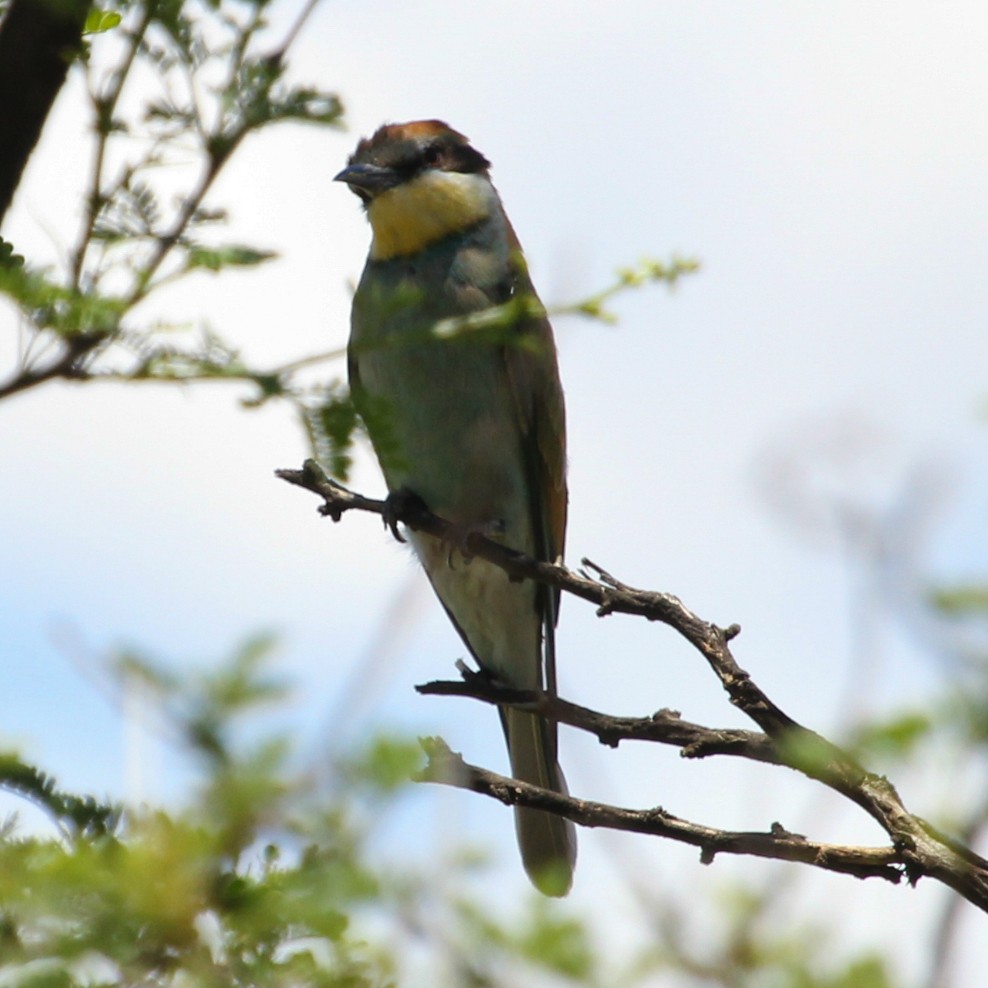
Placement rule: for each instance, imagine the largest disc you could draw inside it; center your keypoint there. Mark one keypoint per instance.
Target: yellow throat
(431, 206)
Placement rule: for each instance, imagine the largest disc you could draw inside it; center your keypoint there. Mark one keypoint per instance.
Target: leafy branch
(497, 321)
(216, 87)
(217, 84)
(648, 272)
(75, 816)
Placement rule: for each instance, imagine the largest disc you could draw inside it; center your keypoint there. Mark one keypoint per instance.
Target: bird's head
(419, 182)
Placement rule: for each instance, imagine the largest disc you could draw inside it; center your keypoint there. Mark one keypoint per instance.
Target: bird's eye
(432, 155)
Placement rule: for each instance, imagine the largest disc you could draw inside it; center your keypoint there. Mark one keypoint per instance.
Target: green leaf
(560, 943)
(648, 271)
(62, 310)
(242, 683)
(100, 21)
(807, 751)
(78, 814)
(962, 600)
(8, 259)
(330, 421)
(387, 763)
(895, 737)
(306, 105)
(867, 972)
(232, 255)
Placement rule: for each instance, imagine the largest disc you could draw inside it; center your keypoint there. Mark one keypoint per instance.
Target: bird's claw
(400, 504)
(403, 505)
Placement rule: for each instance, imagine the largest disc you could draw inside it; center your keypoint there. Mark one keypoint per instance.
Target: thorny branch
(917, 848)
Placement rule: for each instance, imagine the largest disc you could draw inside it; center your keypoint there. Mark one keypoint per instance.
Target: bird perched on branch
(453, 370)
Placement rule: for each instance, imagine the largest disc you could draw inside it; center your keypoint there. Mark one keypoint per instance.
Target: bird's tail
(547, 841)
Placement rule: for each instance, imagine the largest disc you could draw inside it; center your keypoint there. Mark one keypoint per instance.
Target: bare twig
(295, 29)
(662, 727)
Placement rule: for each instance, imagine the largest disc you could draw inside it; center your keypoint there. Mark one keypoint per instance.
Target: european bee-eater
(470, 421)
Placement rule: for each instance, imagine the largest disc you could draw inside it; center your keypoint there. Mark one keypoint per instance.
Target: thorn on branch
(597, 573)
(781, 832)
(480, 679)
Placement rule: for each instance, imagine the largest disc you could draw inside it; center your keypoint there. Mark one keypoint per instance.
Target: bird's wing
(533, 374)
(534, 377)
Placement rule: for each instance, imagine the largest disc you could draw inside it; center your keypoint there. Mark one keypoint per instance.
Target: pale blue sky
(827, 165)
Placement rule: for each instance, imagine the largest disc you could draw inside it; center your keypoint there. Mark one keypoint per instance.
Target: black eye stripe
(408, 158)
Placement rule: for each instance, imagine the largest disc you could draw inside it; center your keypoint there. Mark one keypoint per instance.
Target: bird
(472, 423)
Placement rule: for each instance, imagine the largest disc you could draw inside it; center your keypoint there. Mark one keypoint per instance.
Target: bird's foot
(404, 504)
(400, 504)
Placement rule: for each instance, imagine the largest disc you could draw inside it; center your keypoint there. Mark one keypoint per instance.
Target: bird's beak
(368, 179)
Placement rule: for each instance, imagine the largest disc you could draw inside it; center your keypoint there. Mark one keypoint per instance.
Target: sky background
(827, 166)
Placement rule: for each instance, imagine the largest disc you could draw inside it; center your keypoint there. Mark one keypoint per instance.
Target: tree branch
(449, 768)
(662, 727)
(67, 365)
(39, 39)
(917, 846)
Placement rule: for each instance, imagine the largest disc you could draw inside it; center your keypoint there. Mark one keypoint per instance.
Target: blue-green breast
(441, 412)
